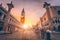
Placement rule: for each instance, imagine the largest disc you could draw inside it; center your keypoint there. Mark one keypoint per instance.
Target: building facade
(7, 22)
(51, 18)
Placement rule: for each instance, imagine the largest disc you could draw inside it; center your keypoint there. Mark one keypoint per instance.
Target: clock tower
(22, 20)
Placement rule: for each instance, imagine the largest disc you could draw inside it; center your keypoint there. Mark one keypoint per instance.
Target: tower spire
(23, 12)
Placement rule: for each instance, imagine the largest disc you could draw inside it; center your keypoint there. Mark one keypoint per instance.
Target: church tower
(22, 20)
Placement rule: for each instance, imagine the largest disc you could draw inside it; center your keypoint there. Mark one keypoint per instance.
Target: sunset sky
(33, 9)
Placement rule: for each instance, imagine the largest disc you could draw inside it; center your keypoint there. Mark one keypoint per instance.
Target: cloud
(55, 2)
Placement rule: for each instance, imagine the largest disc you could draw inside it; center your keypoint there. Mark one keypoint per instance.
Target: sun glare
(25, 26)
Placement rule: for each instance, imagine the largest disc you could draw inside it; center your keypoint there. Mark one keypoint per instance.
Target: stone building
(51, 18)
(7, 22)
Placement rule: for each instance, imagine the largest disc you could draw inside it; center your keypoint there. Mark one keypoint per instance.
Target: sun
(25, 26)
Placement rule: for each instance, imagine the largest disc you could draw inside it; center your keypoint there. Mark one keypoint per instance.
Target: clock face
(22, 19)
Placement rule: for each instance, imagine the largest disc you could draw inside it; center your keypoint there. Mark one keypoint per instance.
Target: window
(1, 25)
(46, 24)
(44, 18)
(1, 28)
(59, 28)
(4, 17)
(10, 19)
(56, 21)
(54, 28)
(53, 21)
(0, 14)
(58, 12)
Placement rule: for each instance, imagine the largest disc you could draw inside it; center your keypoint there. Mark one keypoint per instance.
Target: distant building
(7, 22)
(51, 18)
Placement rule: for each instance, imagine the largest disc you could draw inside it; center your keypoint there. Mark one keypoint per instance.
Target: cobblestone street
(20, 35)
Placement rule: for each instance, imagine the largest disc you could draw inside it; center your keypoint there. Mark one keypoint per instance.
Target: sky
(33, 9)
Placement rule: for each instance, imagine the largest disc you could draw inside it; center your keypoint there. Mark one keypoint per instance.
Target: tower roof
(23, 12)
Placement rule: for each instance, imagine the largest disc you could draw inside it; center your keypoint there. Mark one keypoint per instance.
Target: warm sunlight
(25, 26)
